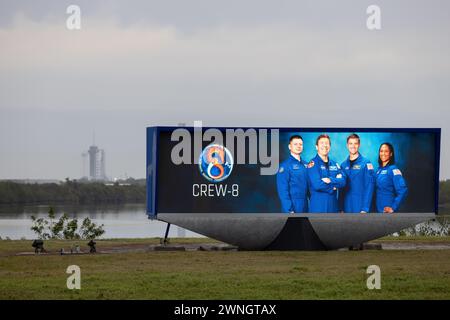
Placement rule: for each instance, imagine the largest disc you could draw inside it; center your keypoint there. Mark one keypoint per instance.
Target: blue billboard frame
(151, 171)
(153, 134)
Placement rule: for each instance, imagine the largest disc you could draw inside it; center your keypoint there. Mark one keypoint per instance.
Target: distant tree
(57, 228)
(39, 226)
(444, 192)
(90, 230)
(65, 228)
(70, 231)
(72, 191)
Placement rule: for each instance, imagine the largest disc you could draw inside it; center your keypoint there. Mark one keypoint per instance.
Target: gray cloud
(261, 63)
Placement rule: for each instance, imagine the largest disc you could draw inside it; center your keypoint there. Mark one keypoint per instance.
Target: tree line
(75, 192)
(444, 193)
(71, 192)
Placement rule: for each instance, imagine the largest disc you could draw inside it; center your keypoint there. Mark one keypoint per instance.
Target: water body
(124, 221)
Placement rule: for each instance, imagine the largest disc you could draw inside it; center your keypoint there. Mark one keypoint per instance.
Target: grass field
(407, 274)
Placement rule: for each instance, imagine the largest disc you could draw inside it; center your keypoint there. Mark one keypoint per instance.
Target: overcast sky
(228, 63)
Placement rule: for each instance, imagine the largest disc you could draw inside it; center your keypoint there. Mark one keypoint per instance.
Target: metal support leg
(167, 234)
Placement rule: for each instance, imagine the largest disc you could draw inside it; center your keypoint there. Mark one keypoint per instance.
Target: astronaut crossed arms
(323, 186)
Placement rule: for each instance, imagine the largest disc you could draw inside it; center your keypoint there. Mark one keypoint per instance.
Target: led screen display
(292, 170)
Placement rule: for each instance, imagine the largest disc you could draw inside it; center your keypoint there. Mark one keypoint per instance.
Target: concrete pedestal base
(256, 231)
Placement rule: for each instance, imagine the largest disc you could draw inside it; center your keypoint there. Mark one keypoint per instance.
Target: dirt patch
(413, 245)
(134, 248)
(145, 247)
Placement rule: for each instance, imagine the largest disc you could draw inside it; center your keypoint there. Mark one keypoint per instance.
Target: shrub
(65, 228)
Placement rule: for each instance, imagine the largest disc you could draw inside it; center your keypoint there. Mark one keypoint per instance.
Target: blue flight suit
(292, 185)
(391, 188)
(324, 195)
(360, 176)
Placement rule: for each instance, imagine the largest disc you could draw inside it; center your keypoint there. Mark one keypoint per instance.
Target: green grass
(222, 275)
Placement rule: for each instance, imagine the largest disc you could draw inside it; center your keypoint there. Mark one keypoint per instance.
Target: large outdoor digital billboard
(292, 170)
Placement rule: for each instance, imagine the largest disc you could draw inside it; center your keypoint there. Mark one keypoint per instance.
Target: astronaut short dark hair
(354, 136)
(295, 136)
(323, 136)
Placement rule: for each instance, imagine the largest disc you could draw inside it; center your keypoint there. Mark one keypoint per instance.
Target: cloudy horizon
(259, 63)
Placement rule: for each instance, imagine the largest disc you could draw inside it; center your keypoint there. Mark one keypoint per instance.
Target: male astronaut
(292, 182)
(356, 197)
(324, 179)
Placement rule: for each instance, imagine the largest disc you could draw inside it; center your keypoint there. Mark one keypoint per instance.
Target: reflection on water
(126, 211)
(124, 221)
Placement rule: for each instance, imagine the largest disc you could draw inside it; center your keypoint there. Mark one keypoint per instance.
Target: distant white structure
(96, 163)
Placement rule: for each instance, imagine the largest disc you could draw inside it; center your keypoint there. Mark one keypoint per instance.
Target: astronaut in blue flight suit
(356, 197)
(391, 189)
(292, 183)
(324, 179)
